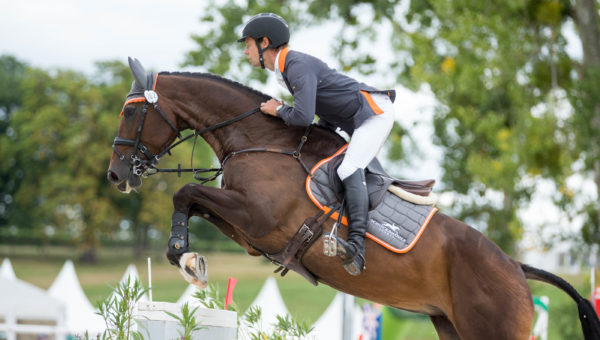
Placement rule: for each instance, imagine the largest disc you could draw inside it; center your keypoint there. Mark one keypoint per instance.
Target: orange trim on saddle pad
(344, 221)
(414, 241)
(371, 102)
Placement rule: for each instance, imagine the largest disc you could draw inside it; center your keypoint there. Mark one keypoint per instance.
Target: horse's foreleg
(222, 206)
(226, 228)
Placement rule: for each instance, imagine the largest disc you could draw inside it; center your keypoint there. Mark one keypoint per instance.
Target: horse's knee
(181, 198)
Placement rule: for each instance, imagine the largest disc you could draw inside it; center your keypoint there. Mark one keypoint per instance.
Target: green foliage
(288, 327)
(187, 321)
(211, 297)
(12, 72)
(500, 71)
(117, 311)
(285, 328)
(56, 154)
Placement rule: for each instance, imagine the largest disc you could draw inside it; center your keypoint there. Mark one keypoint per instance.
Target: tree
(500, 71)
(12, 72)
(584, 98)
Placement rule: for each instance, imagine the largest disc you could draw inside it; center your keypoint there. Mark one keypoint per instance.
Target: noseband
(139, 166)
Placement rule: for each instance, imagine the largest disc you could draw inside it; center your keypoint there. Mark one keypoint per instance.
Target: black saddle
(378, 180)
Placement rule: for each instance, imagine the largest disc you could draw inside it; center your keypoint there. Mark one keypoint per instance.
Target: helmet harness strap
(260, 53)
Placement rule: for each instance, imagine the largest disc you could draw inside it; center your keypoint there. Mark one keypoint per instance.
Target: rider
(364, 112)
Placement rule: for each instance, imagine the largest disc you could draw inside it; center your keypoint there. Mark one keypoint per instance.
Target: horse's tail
(587, 316)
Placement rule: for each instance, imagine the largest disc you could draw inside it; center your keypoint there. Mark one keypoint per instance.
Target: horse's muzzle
(124, 185)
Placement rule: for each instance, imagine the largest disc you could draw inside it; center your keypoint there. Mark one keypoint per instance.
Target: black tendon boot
(352, 252)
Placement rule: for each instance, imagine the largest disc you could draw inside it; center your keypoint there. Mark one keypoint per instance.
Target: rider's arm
(304, 86)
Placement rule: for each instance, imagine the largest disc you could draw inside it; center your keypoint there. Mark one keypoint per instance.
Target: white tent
(131, 273)
(80, 313)
(188, 295)
(330, 324)
(6, 270)
(271, 304)
(23, 301)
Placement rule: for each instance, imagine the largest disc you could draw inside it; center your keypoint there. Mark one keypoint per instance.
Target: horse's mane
(245, 88)
(234, 83)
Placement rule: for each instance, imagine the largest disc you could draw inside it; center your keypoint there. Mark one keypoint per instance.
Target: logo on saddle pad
(396, 219)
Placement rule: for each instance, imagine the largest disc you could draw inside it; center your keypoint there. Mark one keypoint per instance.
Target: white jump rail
(158, 325)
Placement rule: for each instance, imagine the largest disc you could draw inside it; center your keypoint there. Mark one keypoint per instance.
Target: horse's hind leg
(444, 328)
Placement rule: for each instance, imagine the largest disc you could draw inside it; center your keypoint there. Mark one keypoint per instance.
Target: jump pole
(149, 279)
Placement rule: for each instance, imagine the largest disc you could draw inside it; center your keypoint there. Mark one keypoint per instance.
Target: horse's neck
(205, 102)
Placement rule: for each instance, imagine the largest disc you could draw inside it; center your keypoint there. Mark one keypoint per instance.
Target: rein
(147, 167)
(218, 171)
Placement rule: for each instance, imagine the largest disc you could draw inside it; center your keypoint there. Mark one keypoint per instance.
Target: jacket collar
(281, 59)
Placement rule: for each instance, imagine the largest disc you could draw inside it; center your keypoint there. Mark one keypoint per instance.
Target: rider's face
(252, 52)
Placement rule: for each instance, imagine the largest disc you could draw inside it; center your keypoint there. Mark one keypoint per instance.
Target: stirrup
(329, 244)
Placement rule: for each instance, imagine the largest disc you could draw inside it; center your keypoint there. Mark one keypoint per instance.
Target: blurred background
(496, 101)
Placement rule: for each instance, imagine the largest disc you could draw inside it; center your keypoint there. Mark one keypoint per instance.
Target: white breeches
(367, 139)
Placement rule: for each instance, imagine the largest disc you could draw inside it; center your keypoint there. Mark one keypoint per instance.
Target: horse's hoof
(194, 270)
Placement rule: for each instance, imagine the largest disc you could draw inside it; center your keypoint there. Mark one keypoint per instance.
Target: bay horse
(468, 287)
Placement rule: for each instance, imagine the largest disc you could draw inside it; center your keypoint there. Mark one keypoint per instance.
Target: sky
(76, 34)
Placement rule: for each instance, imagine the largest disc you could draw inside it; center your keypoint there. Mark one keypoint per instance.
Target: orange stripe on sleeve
(371, 102)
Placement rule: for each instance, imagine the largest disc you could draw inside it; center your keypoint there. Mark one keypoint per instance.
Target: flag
(229, 295)
(371, 325)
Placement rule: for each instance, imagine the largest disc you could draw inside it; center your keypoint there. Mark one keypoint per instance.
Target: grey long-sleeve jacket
(337, 99)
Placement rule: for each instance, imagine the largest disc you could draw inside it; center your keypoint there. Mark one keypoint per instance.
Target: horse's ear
(139, 74)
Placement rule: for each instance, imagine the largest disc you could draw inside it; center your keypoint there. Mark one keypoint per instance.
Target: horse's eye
(129, 111)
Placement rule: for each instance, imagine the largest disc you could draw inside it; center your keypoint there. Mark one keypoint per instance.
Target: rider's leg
(364, 145)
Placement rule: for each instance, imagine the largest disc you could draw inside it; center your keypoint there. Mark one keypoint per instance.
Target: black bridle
(147, 166)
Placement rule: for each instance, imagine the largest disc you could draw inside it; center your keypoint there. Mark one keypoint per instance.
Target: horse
(467, 286)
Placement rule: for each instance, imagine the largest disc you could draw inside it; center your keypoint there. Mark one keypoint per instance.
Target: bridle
(139, 166)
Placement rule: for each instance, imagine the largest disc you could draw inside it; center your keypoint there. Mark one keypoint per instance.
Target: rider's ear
(264, 42)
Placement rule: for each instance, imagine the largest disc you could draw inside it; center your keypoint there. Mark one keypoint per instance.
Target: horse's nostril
(112, 176)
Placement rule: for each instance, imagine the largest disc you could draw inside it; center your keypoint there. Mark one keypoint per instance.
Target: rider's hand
(270, 107)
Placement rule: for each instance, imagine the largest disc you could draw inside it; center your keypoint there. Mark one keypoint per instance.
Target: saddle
(378, 183)
(399, 211)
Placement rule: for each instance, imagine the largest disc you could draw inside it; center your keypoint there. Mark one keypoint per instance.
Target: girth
(291, 256)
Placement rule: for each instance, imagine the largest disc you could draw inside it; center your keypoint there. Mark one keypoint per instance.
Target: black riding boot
(352, 252)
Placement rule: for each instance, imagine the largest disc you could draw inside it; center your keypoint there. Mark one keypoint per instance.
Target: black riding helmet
(268, 25)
